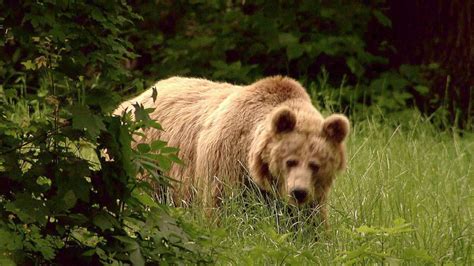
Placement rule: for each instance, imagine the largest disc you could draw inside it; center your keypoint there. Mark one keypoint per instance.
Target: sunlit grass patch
(405, 197)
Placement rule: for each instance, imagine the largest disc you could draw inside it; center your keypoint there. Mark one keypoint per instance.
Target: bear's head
(298, 153)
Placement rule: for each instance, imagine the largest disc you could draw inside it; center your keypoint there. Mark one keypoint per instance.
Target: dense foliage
(342, 46)
(62, 200)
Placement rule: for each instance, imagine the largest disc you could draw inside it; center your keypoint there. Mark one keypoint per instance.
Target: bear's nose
(300, 195)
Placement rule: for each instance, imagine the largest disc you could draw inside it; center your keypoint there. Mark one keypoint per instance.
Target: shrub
(61, 200)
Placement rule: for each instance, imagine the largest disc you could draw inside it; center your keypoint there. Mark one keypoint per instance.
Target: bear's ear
(284, 120)
(336, 128)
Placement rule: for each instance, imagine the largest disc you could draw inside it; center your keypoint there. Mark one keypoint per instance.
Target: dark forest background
(65, 65)
(397, 53)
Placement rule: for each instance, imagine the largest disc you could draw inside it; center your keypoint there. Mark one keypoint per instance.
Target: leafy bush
(240, 41)
(68, 186)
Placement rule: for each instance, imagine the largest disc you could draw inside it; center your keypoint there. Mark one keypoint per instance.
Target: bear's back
(181, 107)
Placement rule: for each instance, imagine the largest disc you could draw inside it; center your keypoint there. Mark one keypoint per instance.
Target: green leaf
(400, 226)
(125, 140)
(433, 66)
(294, 51)
(133, 248)
(364, 229)
(136, 257)
(355, 67)
(143, 197)
(84, 237)
(10, 240)
(101, 253)
(43, 181)
(169, 150)
(411, 72)
(287, 39)
(382, 19)
(69, 199)
(327, 13)
(89, 253)
(75, 181)
(141, 114)
(130, 243)
(175, 159)
(97, 15)
(153, 124)
(78, 218)
(423, 90)
(83, 119)
(158, 144)
(29, 210)
(164, 162)
(201, 41)
(7, 261)
(416, 254)
(105, 221)
(143, 148)
(36, 241)
(29, 65)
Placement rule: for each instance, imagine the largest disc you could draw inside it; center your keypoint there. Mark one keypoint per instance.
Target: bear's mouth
(291, 200)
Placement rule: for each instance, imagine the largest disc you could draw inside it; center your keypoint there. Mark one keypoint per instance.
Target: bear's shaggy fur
(268, 130)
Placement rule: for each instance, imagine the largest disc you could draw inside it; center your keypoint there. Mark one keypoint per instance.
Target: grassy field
(406, 197)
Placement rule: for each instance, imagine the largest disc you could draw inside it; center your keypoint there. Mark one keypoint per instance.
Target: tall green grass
(406, 197)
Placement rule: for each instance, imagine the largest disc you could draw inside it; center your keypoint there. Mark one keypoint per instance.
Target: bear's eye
(314, 167)
(291, 163)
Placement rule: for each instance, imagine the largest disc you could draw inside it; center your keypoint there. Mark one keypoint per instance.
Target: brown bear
(268, 130)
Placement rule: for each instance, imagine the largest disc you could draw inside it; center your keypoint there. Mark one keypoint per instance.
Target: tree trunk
(442, 32)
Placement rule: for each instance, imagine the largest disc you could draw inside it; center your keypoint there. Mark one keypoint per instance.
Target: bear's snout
(300, 195)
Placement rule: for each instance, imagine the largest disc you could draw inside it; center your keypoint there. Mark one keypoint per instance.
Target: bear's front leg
(210, 167)
(320, 208)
